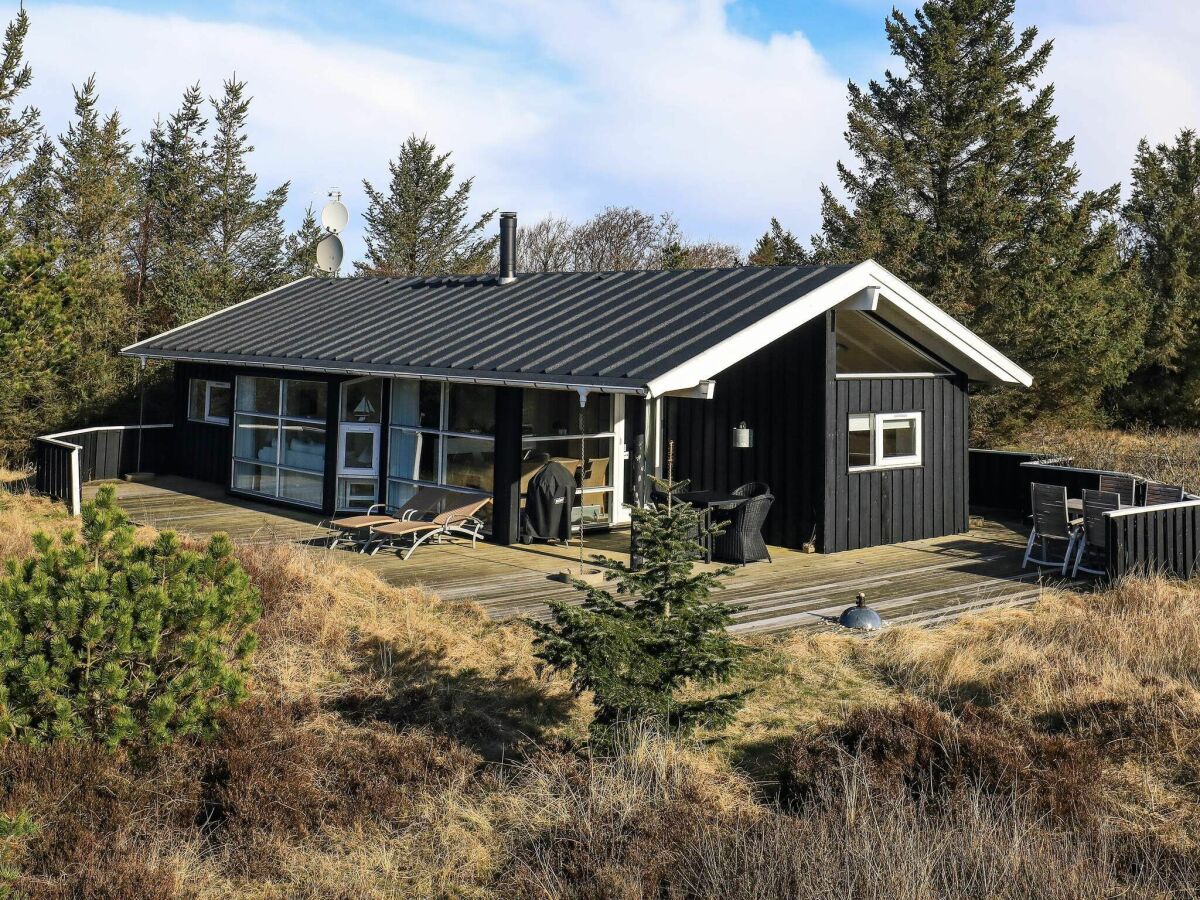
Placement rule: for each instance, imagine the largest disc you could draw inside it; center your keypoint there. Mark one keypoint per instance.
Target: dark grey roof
(612, 329)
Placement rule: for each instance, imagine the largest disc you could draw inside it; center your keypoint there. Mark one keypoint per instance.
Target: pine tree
(300, 249)
(38, 197)
(104, 638)
(420, 226)
(651, 651)
(246, 251)
(174, 226)
(37, 343)
(1163, 227)
(778, 247)
(97, 190)
(18, 128)
(963, 189)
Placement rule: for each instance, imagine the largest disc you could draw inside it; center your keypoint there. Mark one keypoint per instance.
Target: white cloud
(1122, 71)
(660, 105)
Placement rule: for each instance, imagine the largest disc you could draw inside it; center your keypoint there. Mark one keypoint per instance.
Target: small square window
(208, 401)
(883, 440)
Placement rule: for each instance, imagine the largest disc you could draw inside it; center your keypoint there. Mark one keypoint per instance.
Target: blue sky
(726, 113)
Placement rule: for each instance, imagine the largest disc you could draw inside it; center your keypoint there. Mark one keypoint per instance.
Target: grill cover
(548, 503)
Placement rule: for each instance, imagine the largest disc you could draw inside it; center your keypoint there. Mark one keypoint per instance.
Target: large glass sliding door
(279, 438)
(440, 434)
(585, 441)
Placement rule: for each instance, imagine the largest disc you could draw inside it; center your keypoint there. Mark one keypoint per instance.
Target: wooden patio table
(706, 502)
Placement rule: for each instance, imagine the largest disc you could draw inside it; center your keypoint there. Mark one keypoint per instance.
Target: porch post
(506, 505)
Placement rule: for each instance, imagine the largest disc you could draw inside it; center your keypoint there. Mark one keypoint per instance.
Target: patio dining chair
(741, 540)
(1093, 536)
(1051, 525)
(410, 534)
(1158, 493)
(354, 531)
(1125, 486)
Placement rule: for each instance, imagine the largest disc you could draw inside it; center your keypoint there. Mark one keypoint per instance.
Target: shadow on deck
(921, 582)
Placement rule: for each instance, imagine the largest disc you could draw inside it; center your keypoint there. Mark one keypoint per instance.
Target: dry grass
(1168, 455)
(399, 746)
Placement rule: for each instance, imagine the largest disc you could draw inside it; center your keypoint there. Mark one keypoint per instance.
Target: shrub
(105, 638)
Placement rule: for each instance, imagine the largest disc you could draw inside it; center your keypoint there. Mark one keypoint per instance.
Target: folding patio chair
(462, 519)
(1158, 493)
(1050, 525)
(1124, 486)
(1093, 536)
(354, 531)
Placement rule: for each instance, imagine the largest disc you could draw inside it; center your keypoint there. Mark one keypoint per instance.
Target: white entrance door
(358, 465)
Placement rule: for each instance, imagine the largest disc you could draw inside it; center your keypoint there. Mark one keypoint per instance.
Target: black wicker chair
(741, 541)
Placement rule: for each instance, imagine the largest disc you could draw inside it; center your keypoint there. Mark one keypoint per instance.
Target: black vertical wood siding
(506, 502)
(886, 506)
(202, 450)
(779, 393)
(1155, 540)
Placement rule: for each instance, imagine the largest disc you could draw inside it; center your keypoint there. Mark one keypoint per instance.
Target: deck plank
(920, 582)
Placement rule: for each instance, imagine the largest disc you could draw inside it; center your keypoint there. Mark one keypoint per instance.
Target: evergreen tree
(174, 221)
(107, 639)
(37, 300)
(778, 247)
(651, 651)
(300, 250)
(97, 190)
(246, 251)
(1163, 226)
(963, 190)
(420, 226)
(38, 197)
(18, 127)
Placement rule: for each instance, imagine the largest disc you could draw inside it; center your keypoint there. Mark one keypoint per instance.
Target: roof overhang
(458, 376)
(866, 286)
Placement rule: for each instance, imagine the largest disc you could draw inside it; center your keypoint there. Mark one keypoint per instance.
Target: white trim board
(898, 304)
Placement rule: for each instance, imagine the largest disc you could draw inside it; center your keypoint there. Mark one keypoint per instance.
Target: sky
(723, 112)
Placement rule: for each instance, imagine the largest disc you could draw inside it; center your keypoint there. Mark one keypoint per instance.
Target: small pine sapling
(649, 650)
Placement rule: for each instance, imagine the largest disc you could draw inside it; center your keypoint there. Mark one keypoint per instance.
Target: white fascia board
(132, 349)
(914, 315)
(944, 328)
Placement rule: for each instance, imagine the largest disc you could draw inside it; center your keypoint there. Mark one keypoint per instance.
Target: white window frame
(208, 417)
(878, 422)
(442, 432)
(278, 465)
(371, 428)
(618, 511)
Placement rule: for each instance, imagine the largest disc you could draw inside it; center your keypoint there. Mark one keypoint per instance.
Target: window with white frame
(279, 438)
(440, 434)
(883, 440)
(208, 401)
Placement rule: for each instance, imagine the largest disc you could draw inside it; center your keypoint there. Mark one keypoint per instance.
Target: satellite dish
(329, 253)
(335, 216)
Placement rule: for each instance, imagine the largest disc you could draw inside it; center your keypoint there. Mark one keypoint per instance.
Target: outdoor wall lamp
(743, 436)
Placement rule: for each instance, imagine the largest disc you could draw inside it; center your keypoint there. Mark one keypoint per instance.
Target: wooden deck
(919, 582)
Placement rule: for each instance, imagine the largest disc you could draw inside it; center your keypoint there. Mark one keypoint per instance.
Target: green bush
(109, 639)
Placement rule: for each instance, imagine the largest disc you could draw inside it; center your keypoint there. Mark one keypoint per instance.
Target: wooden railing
(68, 459)
(1000, 479)
(1163, 539)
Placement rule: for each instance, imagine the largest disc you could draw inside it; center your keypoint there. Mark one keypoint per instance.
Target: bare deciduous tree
(617, 238)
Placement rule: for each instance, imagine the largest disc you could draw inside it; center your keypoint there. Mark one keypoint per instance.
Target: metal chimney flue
(508, 247)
